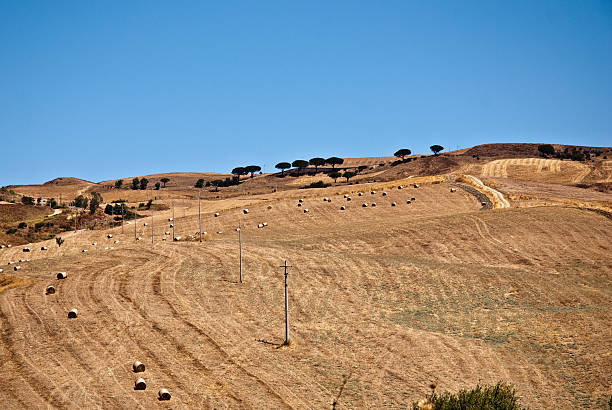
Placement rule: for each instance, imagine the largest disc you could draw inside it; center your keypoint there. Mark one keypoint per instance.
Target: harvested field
(391, 297)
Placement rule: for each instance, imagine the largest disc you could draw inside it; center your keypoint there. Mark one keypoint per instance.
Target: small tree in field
(200, 183)
(317, 162)
(239, 171)
(143, 183)
(94, 203)
(436, 149)
(118, 183)
(157, 185)
(251, 169)
(299, 164)
(348, 175)
(59, 241)
(402, 153)
(135, 183)
(283, 166)
(546, 149)
(334, 175)
(27, 200)
(333, 161)
(164, 180)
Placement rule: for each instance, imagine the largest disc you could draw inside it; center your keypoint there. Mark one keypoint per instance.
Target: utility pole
(240, 244)
(199, 217)
(122, 216)
(152, 227)
(135, 225)
(287, 340)
(173, 221)
(112, 220)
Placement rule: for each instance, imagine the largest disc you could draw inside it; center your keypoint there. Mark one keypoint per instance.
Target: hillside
(437, 281)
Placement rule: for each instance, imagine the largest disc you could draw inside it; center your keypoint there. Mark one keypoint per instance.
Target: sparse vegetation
(348, 175)
(499, 397)
(27, 200)
(119, 183)
(436, 149)
(283, 166)
(59, 241)
(200, 183)
(299, 164)
(318, 184)
(402, 153)
(251, 169)
(135, 183)
(143, 183)
(157, 185)
(165, 180)
(546, 149)
(317, 162)
(333, 161)
(334, 175)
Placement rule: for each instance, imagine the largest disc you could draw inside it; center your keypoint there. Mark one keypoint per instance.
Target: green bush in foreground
(502, 396)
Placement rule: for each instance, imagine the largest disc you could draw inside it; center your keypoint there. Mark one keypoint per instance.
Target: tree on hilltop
(546, 149)
(348, 175)
(317, 162)
(143, 183)
(200, 183)
(436, 148)
(251, 169)
(299, 164)
(118, 183)
(333, 161)
(283, 166)
(402, 153)
(164, 180)
(135, 183)
(335, 175)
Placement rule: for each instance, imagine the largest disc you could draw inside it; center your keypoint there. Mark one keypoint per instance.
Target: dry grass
(9, 282)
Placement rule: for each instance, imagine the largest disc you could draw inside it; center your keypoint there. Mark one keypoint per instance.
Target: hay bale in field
(1, 246)
(106, 248)
(265, 224)
(109, 236)
(373, 203)
(62, 275)
(140, 384)
(325, 199)
(393, 204)
(171, 225)
(349, 198)
(1, 270)
(360, 194)
(73, 314)
(116, 242)
(373, 192)
(11, 263)
(219, 232)
(269, 206)
(145, 224)
(163, 394)
(177, 238)
(167, 233)
(299, 205)
(216, 214)
(237, 229)
(400, 187)
(384, 194)
(17, 268)
(26, 249)
(483, 203)
(43, 248)
(260, 225)
(50, 290)
(346, 195)
(22, 260)
(84, 250)
(306, 210)
(94, 243)
(170, 219)
(365, 205)
(408, 201)
(9, 245)
(138, 367)
(245, 211)
(139, 239)
(413, 199)
(301, 200)
(342, 208)
(452, 189)
(416, 185)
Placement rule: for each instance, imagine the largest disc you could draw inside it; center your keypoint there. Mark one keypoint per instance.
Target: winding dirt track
(395, 297)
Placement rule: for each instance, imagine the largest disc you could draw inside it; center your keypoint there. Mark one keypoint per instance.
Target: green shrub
(318, 184)
(11, 231)
(27, 200)
(502, 396)
(22, 225)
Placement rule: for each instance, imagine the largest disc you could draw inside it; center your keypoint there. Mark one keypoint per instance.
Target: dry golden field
(385, 299)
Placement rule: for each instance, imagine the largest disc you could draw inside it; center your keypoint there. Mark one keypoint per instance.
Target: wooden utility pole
(287, 340)
(240, 245)
(173, 221)
(135, 235)
(199, 217)
(152, 227)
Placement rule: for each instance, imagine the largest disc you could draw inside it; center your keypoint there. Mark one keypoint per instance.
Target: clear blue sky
(105, 89)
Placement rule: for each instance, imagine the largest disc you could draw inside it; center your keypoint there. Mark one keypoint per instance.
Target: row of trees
(250, 169)
(404, 152)
(302, 163)
(141, 183)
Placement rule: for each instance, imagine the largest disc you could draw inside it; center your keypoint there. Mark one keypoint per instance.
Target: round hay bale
(300, 200)
(260, 225)
(1, 246)
(177, 238)
(408, 201)
(139, 239)
(400, 187)
(265, 224)
(365, 205)
(9, 245)
(17, 268)
(483, 203)
(84, 250)
(171, 225)
(1, 270)
(373, 192)
(26, 249)
(393, 204)
(116, 242)
(109, 236)
(140, 384)
(138, 367)
(50, 290)
(163, 394)
(62, 275)
(373, 203)
(11, 263)
(145, 224)
(216, 214)
(384, 194)
(452, 189)
(413, 199)
(360, 194)
(346, 195)
(43, 248)
(219, 232)
(416, 185)
(306, 210)
(94, 243)
(325, 199)
(237, 229)
(349, 198)
(342, 208)
(22, 260)
(73, 314)
(245, 211)
(167, 233)
(170, 219)
(299, 204)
